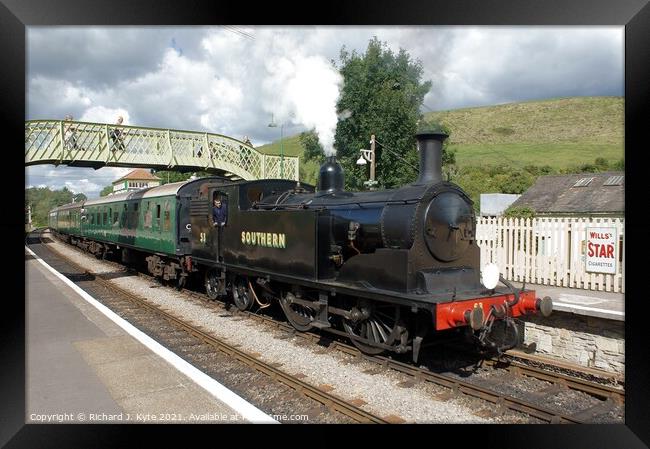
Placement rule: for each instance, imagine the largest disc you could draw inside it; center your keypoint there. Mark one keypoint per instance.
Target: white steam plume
(305, 89)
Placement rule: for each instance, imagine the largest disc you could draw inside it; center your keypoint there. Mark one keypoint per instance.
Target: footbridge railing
(98, 145)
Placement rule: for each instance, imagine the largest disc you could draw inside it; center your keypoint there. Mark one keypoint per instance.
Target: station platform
(582, 302)
(85, 366)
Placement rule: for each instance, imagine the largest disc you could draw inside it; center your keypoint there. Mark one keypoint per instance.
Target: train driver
(219, 213)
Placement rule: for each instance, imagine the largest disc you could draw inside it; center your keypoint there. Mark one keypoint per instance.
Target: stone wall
(588, 341)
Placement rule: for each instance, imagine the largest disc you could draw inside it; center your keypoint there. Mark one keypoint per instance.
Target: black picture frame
(15, 15)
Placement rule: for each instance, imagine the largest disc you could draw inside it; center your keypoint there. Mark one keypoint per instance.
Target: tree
(619, 165)
(540, 171)
(599, 165)
(475, 180)
(42, 200)
(313, 148)
(516, 181)
(168, 176)
(106, 190)
(519, 212)
(382, 94)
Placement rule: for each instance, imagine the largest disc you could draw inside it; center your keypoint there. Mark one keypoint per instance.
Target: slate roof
(557, 194)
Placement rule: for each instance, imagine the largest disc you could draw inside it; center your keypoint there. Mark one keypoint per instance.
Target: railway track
(608, 397)
(251, 360)
(609, 394)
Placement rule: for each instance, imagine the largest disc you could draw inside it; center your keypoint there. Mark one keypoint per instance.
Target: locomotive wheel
(379, 324)
(298, 315)
(213, 284)
(241, 295)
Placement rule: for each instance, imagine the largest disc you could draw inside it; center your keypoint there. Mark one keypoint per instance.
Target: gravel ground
(564, 400)
(380, 390)
(275, 398)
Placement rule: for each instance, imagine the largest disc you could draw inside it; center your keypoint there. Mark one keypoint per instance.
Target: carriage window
(167, 222)
(147, 216)
(129, 215)
(116, 219)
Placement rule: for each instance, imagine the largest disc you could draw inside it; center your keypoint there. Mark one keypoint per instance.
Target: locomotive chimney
(331, 177)
(430, 148)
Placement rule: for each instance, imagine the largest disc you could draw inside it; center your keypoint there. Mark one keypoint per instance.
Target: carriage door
(201, 225)
(218, 221)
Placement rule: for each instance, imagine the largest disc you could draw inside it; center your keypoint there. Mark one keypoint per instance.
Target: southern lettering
(267, 239)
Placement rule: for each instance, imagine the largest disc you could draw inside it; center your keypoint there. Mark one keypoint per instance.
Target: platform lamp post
(275, 125)
(369, 156)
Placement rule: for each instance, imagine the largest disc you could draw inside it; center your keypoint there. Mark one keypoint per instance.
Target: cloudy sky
(232, 80)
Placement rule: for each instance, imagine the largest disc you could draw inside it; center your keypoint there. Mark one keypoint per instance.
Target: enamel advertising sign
(601, 250)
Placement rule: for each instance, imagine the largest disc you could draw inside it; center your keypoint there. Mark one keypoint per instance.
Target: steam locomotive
(388, 268)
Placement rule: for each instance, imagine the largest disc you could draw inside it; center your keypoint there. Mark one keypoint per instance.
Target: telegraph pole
(29, 217)
(369, 156)
(372, 160)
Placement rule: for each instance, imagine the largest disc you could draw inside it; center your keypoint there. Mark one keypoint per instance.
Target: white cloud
(493, 65)
(56, 96)
(214, 79)
(101, 114)
(79, 180)
(82, 185)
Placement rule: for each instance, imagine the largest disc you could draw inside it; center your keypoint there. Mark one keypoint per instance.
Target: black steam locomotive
(386, 268)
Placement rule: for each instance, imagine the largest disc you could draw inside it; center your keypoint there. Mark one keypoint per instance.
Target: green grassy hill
(560, 132)
(291, 147)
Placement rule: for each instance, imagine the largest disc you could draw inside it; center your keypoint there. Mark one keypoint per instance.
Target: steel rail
(329, 400)
(467, 388)
(575, 383)
(450, 382)
(418, 373)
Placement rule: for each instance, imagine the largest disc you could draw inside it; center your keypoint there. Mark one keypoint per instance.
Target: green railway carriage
(66, 219)
(149, 224)
(146, 220)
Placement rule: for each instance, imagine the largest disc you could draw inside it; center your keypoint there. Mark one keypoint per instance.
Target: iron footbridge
(96, 145)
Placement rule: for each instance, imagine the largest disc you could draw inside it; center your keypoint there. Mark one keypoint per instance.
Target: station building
(495, 204)
(576, 195)
(135, 180)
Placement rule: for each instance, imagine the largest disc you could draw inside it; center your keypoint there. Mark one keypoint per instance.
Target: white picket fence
(549, 251)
